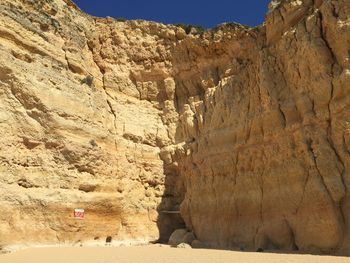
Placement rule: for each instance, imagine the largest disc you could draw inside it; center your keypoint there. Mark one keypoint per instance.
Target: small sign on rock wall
(79, 213)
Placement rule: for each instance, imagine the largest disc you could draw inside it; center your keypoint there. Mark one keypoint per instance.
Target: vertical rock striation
(244, 130)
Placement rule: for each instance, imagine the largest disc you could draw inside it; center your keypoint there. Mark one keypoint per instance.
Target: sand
(154, 254)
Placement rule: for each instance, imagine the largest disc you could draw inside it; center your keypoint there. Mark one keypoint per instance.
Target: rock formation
(245, 131)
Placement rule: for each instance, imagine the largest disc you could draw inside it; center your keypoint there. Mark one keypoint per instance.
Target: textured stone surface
(180, 236)
(244, 130)
(177, 237)
(72, 136)
(183, 245)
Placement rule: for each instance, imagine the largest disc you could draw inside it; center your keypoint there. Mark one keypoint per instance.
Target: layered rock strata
(244, 131)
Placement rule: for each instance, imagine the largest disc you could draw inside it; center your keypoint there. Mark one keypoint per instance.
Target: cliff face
(246, 131)
(268, 165)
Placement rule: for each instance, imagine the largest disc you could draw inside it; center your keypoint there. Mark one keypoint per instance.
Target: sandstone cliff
(246, 131)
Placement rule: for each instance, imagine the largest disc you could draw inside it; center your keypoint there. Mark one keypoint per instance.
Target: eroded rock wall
(75, 132)
(268, 167)
(244, 130)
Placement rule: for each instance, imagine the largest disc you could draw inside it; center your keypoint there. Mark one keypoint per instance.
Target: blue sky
(205, 13)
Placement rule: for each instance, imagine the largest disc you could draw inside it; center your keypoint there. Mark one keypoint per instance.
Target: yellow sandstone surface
(244, 131)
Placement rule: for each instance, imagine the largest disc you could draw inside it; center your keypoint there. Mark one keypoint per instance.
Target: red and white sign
(79, 213)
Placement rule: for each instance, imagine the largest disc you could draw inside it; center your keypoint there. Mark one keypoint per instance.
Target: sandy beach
(155, 254)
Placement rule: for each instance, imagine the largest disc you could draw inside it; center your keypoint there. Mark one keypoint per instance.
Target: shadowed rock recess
(245, 131)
